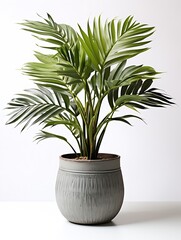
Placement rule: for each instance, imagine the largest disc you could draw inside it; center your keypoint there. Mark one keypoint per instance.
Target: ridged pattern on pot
(89, 198)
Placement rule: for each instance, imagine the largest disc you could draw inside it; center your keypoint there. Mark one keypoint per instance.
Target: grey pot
(89, 191)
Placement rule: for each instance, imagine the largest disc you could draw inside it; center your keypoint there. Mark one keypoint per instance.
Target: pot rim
(72, 157)
(92, 166)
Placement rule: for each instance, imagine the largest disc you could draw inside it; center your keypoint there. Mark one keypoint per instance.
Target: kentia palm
(83, 70)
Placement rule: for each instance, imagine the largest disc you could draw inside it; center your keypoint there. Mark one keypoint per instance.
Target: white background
(43, 221)
(150, 153)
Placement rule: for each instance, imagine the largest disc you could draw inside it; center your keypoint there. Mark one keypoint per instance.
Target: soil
(100, 156)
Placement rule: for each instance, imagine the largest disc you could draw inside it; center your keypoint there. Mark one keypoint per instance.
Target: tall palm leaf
(115, 41)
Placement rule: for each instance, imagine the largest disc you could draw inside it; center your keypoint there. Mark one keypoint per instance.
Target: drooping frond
(42, 135)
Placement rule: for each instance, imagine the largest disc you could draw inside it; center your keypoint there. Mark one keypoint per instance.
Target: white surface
(43, 221)
(150, 153)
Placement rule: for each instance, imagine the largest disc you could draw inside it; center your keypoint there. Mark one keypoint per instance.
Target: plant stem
(102, 133)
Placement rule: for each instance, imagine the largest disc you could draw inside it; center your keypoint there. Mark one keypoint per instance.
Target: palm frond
(114, 41)
(124, 119)
(35, 106)
(58, 34)
(42, 135)
(63, 71)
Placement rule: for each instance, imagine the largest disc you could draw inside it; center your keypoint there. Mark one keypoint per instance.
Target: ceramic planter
(89, 191)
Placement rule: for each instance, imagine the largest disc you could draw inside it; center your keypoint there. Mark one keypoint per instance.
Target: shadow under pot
(89, 191)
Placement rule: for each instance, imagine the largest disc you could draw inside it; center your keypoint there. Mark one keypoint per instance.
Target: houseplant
(76, 74)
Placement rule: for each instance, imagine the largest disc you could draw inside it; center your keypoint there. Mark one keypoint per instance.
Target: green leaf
(129, 98)
(61, 122)
(48, 114)
(125, 117)
(137, 86)
(134, 105)
(126, 24)
(100, 140)
(130, 88)
(45, 135)
(61, 33)
(146, 85)
(121, 120)
(87, 47)
(110, 99)
(123, 90)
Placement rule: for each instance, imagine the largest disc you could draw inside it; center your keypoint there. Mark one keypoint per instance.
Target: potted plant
(78, 73)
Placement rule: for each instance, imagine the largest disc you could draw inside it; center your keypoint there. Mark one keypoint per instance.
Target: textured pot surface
(89, 191)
